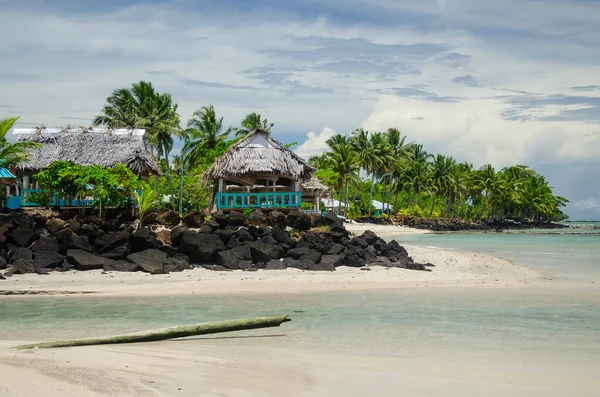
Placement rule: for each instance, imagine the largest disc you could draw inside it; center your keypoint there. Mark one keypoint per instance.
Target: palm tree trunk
(433, 203)
(170, 181)
(371, 195)
(383, 191)
(156, 180)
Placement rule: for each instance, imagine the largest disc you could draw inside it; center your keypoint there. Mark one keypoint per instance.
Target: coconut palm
(344, 162)
(252, 122)
(399, 150)
(441, 179)
(417, 170)
(140, 106)
(13, 153)
(204, 132)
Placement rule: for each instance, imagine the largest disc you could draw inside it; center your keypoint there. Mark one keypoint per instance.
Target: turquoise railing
(259, 200)
(26, 202)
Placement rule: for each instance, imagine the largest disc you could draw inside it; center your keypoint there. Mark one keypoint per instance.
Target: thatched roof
(89, 147)
(258, 154)
(314, 187)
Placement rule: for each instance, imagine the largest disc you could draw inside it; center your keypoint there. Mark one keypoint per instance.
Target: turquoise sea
(526, 326)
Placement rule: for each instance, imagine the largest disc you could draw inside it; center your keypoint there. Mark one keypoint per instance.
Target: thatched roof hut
(89, 147)
(313, 188)
(255, 156)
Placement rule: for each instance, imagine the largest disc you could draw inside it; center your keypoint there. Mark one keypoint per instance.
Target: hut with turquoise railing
(258, 172)
(83, 146)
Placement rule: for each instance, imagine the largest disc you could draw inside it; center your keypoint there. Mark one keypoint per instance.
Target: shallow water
(529, 325)
(561, 255)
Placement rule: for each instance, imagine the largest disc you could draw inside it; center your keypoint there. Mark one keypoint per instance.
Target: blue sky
(508, 82)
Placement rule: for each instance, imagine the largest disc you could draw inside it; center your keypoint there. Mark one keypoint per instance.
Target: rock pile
(34, 244)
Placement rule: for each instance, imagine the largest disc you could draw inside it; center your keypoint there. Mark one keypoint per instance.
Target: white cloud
(315, 143)
(588, 204)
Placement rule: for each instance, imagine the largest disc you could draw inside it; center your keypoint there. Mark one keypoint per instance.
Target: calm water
(566, 254)
(519, 324)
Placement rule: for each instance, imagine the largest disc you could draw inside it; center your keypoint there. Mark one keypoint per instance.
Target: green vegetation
(108, 186)
(420, 184)
(412, 181)
(145, 199)
(13, 153)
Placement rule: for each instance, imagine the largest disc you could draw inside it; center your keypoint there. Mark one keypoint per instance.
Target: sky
(501, 82)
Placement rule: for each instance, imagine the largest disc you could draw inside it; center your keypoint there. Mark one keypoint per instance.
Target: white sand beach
(223, 366)
(452, 268)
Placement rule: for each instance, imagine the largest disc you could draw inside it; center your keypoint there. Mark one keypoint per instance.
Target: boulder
(83, 260)
(304, 253)
(22, 236)
(22, 266)
(275, 264)
(2, 277)
(235, 258)
(277, 219)
(281, 235)
(236, 219)
(200, 247)
(176, 234)
(149, 261)
(21, 253)
(170, 251)
(225, 234)
(168, 218)
(82, 243)
(370, 237)
(309, 265)
(193, 219)
(299, 220)
(3, 264)
(336, 249)
(221, 220)
(114, 245)
(89, 230)
(45, 244)
(257, 218)
(47, 259)
(331, 219)
(164, 236)
(142, 240)
(322, 247)
(120, 266)
(212, 225)
(96, 221)
(353, 259)
(175, 265)
(332, 260)
(262, 252)
(55, 224)
(359, 242)
(243, 235)
(64, 239)
(75, 225)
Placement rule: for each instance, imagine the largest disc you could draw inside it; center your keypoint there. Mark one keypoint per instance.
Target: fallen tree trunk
(171, 333)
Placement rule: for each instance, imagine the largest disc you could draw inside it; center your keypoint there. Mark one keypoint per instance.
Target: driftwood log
(171, 333)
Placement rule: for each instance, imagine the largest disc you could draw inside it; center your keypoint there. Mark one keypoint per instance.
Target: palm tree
(204, 132)
(399, 150)
(417, 171)
(441, 179)
(252, 122)
(344, 163)
(13, 153)
(140, 106)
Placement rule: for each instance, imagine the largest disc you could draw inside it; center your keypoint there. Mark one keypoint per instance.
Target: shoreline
(452, 268)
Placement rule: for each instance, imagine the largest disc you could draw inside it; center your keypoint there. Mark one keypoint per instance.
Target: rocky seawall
(41, 244)
(457, 224)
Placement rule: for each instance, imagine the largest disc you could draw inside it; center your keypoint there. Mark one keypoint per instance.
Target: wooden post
(220, 190)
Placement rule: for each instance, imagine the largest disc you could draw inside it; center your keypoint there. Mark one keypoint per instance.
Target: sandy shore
(382, 230)
(226, 366)
(452, 268)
